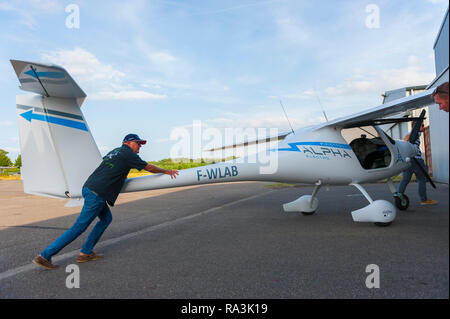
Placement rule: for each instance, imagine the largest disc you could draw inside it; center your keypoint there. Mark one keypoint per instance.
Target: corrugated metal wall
(441, 47)
(439, 129)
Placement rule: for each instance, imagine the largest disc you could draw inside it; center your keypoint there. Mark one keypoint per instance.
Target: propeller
(412, 139)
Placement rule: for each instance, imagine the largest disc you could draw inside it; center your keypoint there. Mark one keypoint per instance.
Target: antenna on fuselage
(320, 103)
(287, 117)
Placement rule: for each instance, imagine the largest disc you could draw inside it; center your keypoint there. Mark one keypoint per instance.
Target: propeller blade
(424, 171)
(415, 131)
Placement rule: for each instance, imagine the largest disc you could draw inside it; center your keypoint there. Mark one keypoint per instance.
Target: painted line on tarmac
(31, 266)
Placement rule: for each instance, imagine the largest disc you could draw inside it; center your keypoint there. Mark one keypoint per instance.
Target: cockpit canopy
(368, 146)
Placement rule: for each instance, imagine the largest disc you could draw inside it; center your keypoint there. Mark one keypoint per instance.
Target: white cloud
(84, 65)
(413, 59)
(161, 57)
(11, 150)
(377, 82)
(163, 61)
(297, 117)
(127, 95)
(102, 81)
(310, 92)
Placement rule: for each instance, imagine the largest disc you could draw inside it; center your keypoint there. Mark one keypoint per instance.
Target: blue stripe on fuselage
(294, 146)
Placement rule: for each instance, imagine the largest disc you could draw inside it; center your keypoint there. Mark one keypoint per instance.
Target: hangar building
(439, 119)
(435, 140)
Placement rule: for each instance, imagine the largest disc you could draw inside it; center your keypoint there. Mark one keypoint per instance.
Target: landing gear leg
(306, 204)
(313, 196)
(380, 212)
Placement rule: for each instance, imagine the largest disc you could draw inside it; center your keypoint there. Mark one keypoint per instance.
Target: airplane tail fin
(57, 148)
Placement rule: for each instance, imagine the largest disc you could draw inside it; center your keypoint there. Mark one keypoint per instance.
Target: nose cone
(406, 149)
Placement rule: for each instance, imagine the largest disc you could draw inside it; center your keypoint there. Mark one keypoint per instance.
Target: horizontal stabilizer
(47, 80)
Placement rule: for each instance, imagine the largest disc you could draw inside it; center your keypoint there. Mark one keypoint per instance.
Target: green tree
(4, 159)
(18, 162)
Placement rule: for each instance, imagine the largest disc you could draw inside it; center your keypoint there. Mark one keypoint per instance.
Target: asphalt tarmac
(235, 241)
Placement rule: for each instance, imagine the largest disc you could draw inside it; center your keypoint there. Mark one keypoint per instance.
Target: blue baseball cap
(135, 138)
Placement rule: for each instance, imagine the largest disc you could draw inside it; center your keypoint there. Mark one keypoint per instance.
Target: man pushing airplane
(100, 190)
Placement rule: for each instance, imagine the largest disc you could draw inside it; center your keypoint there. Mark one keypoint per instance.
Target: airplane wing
(374, 116)
(247, 143)
(48, 80)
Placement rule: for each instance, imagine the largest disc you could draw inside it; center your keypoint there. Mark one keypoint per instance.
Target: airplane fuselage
(304, 157)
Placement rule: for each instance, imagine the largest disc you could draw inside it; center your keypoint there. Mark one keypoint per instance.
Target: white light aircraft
(59, 152)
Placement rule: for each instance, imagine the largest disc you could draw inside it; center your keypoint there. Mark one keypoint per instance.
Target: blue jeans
(94, 206)
(421, 179)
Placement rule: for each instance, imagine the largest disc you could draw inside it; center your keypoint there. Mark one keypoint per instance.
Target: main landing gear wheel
(383, 224)
(308, 213)
(402, 202)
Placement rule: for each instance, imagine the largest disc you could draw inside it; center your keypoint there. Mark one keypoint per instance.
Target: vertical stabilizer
(58, 150)
(57, 147)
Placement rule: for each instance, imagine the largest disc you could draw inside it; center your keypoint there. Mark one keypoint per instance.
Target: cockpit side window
(368, 147)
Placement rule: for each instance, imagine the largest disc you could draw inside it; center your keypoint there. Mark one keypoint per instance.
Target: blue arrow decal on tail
(50, 75)
(29, 115)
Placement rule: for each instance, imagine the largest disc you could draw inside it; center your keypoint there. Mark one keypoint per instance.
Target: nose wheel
(401, 201)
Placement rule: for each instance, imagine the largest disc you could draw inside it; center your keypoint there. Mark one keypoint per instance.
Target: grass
(167, 163)
(9, 177)
(184, 163)
(10, 174)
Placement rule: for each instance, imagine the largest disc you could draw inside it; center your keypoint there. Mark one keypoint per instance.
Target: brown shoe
(44, 263)
(88, 257)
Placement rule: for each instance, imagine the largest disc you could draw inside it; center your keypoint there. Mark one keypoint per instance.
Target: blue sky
(149, 67)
